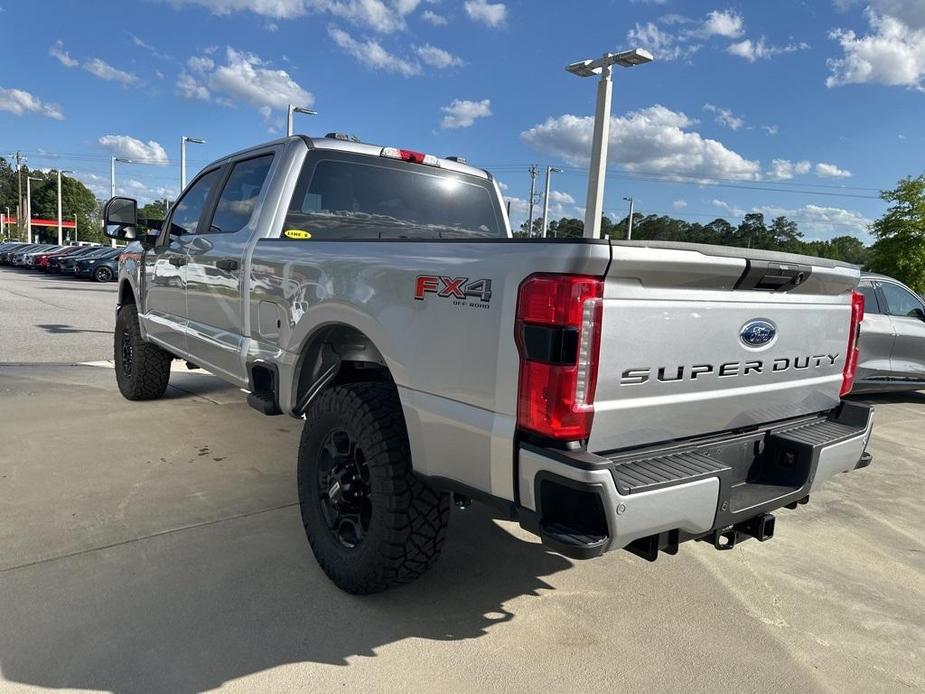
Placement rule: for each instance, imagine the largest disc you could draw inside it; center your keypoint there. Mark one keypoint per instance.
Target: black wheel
(142, 369)
(370, 521)
(102, 274)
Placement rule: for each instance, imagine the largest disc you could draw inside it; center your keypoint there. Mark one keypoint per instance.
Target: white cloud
(57, 51)
(663, 45)
(759, 50)
(492, 14)
(892, 53)
(771, 129)
(682, 45)
(824, 170)
(727, 24)
(373, 14)
(725, 117)
(652, 140)
(130, 187)
(244, 77)
(100, 68)
(149, 152)
(731, 210)
(20, 102)
(438, 20)
(819, 222)
(679, 204)
(560, 197)
(95, 66)
(148, 47)
(784, 169)
(437, 57)
(372, 54)
(462, 113)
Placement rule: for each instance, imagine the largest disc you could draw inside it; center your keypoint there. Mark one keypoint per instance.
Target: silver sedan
(892, 337)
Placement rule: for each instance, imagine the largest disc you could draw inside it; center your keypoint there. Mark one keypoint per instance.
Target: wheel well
(334, 355)
(126, 295)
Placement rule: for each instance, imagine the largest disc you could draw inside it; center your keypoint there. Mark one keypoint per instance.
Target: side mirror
(917, 313)
(121, 213)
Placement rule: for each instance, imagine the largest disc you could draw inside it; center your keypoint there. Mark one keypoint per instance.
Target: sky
(806, 108)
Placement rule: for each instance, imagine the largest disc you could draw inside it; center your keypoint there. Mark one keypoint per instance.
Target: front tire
(102, 274)
(370, 521)
(142, 369)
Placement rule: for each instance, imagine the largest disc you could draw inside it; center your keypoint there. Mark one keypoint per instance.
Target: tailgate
(701, 339)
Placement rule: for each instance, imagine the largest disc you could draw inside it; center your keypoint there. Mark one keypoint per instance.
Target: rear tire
(142, 369)
(371, 522)
(102, 274)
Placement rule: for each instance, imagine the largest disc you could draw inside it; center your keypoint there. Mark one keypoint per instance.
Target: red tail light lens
(851, 356)
(558, 334)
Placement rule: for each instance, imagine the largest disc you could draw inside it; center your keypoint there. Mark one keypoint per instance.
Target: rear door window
(239, 197)
(355, 196)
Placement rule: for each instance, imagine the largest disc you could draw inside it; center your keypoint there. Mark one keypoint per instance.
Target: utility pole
(629, 224)
(533, 172)
(549, 171)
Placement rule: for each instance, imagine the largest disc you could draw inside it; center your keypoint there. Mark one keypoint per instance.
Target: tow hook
(760, 527)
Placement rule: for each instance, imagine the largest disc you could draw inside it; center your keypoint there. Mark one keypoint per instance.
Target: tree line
(899, 249)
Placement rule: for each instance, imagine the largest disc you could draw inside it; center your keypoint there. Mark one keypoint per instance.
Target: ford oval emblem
(756, 333)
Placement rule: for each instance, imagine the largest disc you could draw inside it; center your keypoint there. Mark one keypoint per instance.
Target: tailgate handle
(768, 276)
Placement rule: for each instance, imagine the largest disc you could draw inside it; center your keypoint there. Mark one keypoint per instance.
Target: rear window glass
(360, 197)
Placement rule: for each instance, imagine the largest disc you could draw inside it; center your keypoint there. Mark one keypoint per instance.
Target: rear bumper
(719, 489)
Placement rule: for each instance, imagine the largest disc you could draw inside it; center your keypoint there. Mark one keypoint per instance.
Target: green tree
(155, 210)
(76, 199)
(567, 228)
(900, 247)
(785, 235)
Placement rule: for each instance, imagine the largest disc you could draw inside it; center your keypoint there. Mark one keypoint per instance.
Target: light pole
(549, 172)
(629, 225)
(112, 180)
(4, 227)
(603, 67)
(75, 227)
(293, 109)
(60, 228)
(29, 180)
(183, 140)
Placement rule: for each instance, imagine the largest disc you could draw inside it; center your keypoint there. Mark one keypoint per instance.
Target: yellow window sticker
(297, 234)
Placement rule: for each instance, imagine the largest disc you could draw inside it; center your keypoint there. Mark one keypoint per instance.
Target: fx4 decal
(460, 289)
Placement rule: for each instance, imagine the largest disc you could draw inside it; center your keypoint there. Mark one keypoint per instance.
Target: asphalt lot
(157, 547)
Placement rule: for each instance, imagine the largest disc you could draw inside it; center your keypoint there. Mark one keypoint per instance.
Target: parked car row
(88, 262)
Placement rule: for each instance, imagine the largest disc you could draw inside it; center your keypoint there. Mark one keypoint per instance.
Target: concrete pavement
(157, 547)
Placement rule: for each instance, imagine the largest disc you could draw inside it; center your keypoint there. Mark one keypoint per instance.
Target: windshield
(357, 196)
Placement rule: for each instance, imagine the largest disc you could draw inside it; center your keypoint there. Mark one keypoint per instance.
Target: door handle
(177, 260)
(226, 264)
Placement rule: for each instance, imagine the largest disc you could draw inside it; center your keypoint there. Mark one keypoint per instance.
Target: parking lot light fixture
(60, 225)
(602, 67)
(183, 140)
(29, 180)
(293, 109)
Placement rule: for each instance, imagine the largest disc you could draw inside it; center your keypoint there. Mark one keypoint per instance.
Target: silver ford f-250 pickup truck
(606, 394)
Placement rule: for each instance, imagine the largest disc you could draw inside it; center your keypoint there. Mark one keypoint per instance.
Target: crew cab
(607, 394)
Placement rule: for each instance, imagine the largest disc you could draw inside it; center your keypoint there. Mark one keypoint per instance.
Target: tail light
(851, 356)
(558, 334)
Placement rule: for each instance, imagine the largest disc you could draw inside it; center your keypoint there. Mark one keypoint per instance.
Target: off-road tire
(407, 519)
(102, 274)
(142, 369)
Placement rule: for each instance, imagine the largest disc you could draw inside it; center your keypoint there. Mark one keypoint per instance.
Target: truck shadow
(190, 610)
(899, 397)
